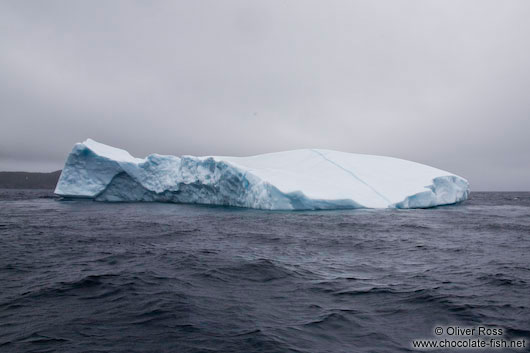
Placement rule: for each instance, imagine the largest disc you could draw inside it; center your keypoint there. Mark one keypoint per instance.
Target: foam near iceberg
(305, 179)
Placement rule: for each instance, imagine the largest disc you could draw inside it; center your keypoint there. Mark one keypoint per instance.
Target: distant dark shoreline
(28, 180)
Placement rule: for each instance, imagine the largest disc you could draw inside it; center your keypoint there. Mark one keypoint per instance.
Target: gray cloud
(438, 82)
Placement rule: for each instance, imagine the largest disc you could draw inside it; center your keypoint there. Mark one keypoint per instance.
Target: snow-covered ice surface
(292, 180)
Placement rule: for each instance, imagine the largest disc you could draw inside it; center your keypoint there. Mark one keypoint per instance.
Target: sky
(444, 83)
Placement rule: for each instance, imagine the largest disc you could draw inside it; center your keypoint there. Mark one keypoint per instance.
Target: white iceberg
(305, 179)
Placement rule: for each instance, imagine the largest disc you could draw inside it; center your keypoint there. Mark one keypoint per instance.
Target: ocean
(83, 276)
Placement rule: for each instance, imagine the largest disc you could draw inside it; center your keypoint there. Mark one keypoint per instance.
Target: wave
(260, 270)
(501, 279)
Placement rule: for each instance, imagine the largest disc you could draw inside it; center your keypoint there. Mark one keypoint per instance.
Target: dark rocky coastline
(28, 180)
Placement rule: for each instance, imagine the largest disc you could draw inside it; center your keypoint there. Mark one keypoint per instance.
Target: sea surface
(83, 276)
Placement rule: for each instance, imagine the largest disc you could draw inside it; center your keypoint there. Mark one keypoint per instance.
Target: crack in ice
(353, 175)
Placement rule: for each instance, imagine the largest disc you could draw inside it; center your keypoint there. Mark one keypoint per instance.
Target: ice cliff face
(293, 180)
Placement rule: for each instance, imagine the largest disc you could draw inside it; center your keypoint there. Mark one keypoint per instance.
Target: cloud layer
(437, 82)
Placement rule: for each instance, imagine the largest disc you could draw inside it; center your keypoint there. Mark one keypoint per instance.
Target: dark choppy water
(85, 276)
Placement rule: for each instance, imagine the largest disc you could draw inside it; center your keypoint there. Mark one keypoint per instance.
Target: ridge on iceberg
(303, 179)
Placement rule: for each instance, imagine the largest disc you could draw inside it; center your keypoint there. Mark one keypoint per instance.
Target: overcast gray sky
(446, 83)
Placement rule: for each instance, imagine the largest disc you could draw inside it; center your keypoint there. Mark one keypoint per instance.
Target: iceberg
(304, 179)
